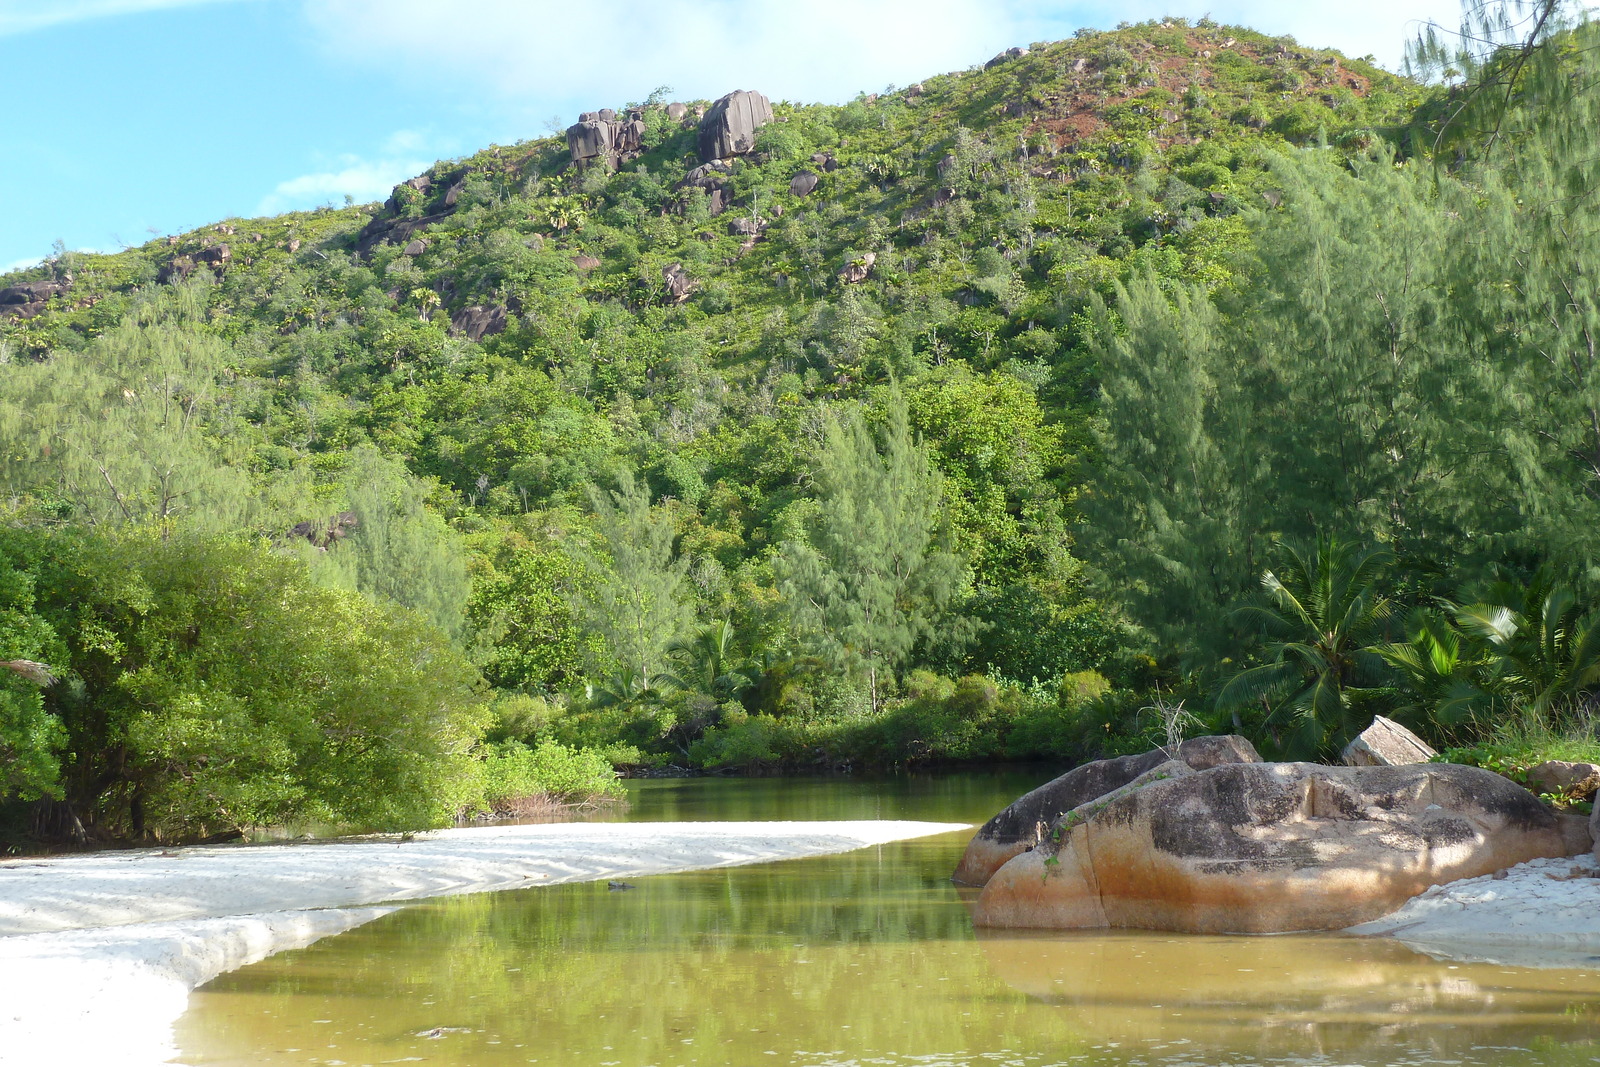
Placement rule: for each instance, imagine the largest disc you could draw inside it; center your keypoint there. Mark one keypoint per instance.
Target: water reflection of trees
(869, 955)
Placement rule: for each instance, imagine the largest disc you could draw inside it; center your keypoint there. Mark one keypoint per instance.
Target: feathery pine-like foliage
(873, 573)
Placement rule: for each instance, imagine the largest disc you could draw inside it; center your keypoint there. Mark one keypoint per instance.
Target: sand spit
(1544, 913)
(98, 953)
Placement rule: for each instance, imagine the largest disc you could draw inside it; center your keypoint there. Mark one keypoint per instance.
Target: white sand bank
(1536, 916)
(98, 953)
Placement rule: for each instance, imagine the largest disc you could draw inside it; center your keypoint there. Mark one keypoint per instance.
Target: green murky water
(865, 958)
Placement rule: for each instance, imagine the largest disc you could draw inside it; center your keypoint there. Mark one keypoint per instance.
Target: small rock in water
(1501, 873)
(617, 887)
(439, 1031)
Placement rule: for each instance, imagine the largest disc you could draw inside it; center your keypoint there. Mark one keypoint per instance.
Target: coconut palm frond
(37, 673)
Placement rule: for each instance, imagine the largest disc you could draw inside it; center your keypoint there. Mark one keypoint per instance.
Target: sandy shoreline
(98, 952)
(1538, 915)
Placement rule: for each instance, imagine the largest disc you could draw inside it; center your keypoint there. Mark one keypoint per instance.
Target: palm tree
(33, 671)
(1543, 650)
(1321, 612)
(707, 661)
(1442, 675)
(625, 687)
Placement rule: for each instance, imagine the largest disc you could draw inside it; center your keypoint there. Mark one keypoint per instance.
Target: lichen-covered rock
(1386, 744)
(729, 126)
(1270, 848)
(1018, 827)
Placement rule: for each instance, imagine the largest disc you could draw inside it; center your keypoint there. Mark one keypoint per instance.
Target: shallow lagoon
(864, 958)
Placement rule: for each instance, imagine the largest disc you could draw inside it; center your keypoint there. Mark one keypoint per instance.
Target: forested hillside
(958, 421)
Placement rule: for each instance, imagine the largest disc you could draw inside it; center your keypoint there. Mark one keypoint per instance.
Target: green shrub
(512, 772)
(209, 685)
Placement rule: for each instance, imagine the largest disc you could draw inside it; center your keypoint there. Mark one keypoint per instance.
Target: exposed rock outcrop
(1386, 744)
(712, 179)
(804, 183)
(438, 198)
(600, 137)
(1594, 829)
(1005, 57)
(679, 284)
(32, 292)
(858, 270)
(729, 127)
(1269, 848)
(326, 534)
(29, 299)
(1017, 828)
(479, 321)
(176, 268)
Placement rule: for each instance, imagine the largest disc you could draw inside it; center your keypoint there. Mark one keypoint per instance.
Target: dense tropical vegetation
(1170, 363)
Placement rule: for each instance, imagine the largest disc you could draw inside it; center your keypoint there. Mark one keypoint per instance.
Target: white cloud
(541, 54)
(539, 50)
(31, 261)
(20, 16)
(363, 180)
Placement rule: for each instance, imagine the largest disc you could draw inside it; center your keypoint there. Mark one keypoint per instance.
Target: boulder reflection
(1289, 995)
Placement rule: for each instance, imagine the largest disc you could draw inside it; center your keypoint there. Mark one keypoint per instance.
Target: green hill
(948, 422)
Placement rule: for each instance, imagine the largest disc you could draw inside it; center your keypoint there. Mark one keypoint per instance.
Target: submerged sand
(98, 953)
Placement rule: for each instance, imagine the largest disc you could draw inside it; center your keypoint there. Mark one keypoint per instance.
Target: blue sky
(133, 117)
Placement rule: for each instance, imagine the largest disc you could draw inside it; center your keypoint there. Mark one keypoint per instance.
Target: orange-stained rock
(1017, 828)
(1269, 848)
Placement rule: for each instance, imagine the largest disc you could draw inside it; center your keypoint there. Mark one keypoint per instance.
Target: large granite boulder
(32, 292)
(729, 126)
(478, 321)
(1594, 828)
(1386, 744)
(1268, 848)
(859, 269)
(605, 138)
(1018, 828)
(589, 139)
(679, 284)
